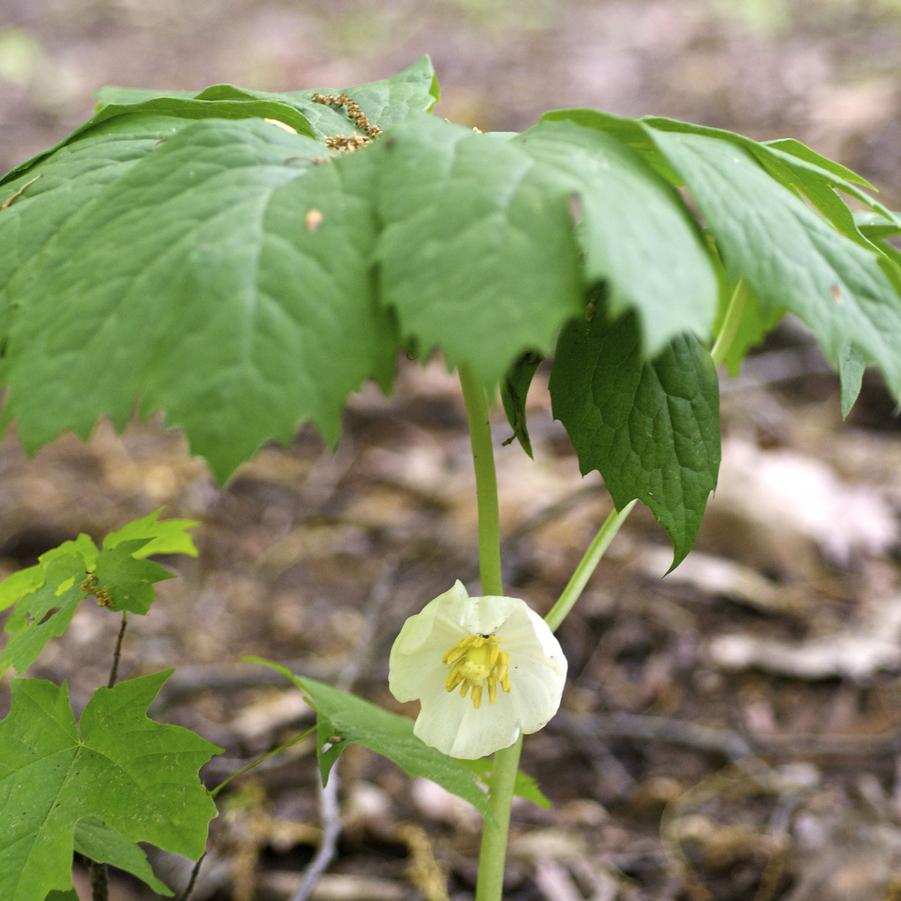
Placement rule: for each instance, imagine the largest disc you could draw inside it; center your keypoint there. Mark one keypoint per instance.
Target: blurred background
(730, 731)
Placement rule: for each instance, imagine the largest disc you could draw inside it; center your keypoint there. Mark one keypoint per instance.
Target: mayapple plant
(242, 261)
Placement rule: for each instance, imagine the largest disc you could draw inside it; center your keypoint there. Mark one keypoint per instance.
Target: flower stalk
(493, 852)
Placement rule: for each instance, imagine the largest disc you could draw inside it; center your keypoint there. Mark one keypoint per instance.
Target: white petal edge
(452, 725)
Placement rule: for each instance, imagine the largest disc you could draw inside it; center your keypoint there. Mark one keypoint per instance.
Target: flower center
(475, 662)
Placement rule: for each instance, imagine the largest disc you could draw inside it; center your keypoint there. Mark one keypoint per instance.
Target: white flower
(484, 669)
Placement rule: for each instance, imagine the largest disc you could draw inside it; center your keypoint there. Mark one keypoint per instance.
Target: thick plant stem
(493, 853)
(587, 565)
(486, 482)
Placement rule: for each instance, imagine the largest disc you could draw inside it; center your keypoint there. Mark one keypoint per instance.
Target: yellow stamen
(475, 662)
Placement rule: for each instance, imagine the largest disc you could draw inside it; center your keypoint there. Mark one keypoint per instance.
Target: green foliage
(232, 267)
(343, 719)
(96, 841)
(47, 594)
(514, 392)
(138, 778)
(650, 427)
(167, 536)
(123, 583)
(636, 235)
(43, 613)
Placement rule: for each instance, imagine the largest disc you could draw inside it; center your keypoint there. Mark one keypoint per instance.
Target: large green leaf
(636, 235)
(835, 277)
(249, 321)
(477, 252)
(789, 255)
(650, 427)
(343, 719)
(243, 278)
(135, 775)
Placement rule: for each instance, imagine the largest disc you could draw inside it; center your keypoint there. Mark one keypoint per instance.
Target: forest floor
(730, 731)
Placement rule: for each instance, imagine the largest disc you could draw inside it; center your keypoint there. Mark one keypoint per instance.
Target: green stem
(262, 759)
(587, 565)
(493, 853)
(486, 482)
(731, 321)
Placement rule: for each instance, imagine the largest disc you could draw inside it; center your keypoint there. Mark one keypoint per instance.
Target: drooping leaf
(343, 719)
(96, 841)
(257, 322)
(514, 391)
(851, 365)
(650, 427)
(794, 260)
(790, 256)
(243, 278)
(477, 253)
(135, 775)
(636, 235)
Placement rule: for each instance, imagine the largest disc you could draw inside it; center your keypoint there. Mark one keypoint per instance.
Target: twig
(729, 744)
(726, 742)
(117, 654)
(195, 872)
(18, 192)
(329, 808)
(330, 815)
(97, 871)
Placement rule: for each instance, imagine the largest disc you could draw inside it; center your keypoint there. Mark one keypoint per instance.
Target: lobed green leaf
(138, 777)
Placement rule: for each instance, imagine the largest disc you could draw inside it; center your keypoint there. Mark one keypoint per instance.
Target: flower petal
(452, 725)
(415, 666)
